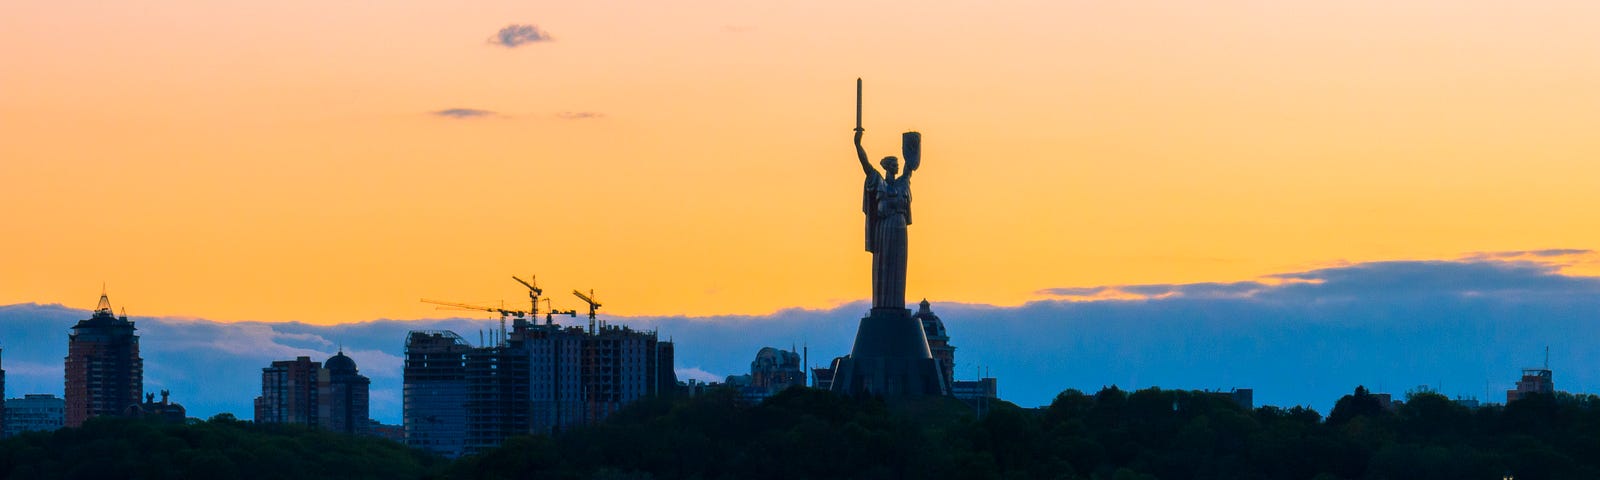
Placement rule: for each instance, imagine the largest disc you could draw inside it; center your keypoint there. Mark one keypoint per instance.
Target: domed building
(331, 395)
(344, 405)
(938, 342)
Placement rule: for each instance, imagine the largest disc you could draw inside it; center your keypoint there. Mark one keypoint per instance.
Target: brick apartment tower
(290, 392)
(104, 372)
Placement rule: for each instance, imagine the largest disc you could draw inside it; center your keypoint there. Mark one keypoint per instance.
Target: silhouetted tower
(291, 392)
(938, 342)
(435, 391)
(345, 396)
(104, 372)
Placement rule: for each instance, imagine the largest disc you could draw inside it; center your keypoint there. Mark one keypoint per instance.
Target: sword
(858, 104)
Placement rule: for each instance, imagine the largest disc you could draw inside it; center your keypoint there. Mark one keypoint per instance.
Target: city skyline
(1462, 327)
(330, 164)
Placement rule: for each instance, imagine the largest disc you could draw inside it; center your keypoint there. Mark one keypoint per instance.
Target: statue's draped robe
(887, 204)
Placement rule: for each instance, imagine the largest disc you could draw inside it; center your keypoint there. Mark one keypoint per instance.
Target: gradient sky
(282, 161)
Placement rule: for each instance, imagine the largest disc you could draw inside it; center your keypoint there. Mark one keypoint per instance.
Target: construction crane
(593, 306)
(550, 310)
(533, 293)
(467, 306)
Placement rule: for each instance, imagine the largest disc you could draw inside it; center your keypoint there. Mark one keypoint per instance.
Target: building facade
(34, 413)
(290, 393)
(345, 396)
(332, 395)
(104, 374)
(1534, 381)
(534, 379)
(434, 393)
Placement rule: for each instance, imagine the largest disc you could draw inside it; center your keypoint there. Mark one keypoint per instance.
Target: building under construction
(528, 379)
(434, 394)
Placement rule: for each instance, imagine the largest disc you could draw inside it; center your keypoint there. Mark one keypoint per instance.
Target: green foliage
(802, 433)
(117, 448)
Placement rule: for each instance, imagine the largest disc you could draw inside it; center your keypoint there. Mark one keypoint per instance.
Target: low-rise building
(34, 412)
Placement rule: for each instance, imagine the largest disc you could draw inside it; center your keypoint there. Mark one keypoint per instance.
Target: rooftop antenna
(1546, 357)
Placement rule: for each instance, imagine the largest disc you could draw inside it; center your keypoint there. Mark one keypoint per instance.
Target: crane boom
(593, 306)
(533, 293)
(468, 306)
(531, 286)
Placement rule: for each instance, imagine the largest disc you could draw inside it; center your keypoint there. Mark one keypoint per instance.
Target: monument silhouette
(890, 357)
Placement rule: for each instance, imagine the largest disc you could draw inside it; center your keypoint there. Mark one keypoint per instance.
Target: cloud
(516, 35)
(462, 113)
(1463, 326)
(697, 374)
(579, 115)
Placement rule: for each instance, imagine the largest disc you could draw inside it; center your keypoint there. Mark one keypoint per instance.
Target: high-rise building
(938, 343)
(556, 377)
(621, 365)
(345, 396)
(290, 392)
(499, 402)
(104, 372)
(331, 395)
(34, 412)
(533, 379)
(435, 391)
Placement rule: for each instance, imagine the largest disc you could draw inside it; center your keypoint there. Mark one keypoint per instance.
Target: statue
(890, 357)
(886, 201)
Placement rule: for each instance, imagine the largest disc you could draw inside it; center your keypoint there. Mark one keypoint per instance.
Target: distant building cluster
(332, 395)
(533, 379)
(771, 372)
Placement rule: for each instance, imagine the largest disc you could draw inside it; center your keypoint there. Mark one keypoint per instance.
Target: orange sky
(277, 160)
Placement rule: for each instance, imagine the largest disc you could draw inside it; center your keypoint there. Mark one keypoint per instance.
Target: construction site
(525, 377)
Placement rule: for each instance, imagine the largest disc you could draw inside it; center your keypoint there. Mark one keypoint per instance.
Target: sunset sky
(295, 160)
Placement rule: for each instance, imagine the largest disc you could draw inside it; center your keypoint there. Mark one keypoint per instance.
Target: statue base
(890, 359)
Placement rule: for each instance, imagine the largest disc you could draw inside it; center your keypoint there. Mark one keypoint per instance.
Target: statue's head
(890, 164)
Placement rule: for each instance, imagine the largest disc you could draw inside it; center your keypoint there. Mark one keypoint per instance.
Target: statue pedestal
(890, 359)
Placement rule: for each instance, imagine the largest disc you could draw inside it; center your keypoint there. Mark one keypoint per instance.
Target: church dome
(340, 363)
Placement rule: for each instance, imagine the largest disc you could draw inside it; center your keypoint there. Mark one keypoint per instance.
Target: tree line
(803, 434)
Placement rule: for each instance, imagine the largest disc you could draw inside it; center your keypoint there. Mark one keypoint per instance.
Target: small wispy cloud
(462, 113)
(516, 35)
(579, 115)
(697, 374)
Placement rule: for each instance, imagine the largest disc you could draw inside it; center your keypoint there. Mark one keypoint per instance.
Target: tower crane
(467, 306)
(593, 306)
(533, 292)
